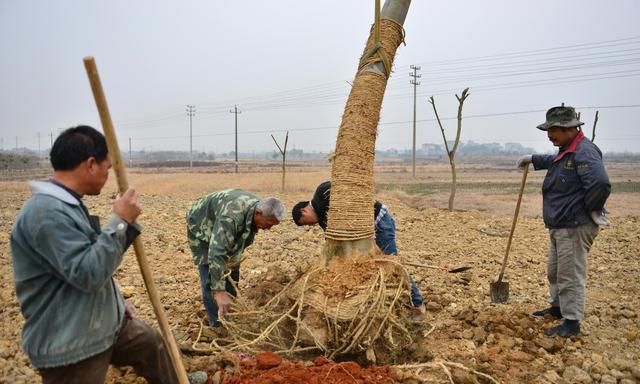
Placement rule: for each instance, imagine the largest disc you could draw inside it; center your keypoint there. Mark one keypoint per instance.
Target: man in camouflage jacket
(219, 227)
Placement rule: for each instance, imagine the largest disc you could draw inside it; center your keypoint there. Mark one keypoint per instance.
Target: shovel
(499, 290)
(454, 270)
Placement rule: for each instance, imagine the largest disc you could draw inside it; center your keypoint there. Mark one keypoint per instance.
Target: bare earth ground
(462, 325)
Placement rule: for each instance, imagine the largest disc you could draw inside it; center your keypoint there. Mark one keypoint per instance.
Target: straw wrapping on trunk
(352, 194)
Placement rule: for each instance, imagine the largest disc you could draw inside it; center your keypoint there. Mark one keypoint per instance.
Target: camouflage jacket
(223, 221)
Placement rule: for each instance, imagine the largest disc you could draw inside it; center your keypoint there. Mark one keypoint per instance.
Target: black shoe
(551, 311)
(567, 329)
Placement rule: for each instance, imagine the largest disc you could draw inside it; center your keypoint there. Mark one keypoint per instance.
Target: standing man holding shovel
(76, 319)
(574, 192)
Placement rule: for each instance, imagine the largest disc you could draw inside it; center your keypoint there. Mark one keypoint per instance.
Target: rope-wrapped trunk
(350, 226)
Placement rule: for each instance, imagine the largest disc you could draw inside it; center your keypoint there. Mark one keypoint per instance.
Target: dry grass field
(462, 327)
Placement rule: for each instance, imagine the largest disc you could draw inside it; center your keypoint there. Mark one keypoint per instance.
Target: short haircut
(296, 212)
(75, 145)
(271, 207)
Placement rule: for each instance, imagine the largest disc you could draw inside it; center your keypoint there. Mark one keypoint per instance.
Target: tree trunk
(350, 227)
(452, 195)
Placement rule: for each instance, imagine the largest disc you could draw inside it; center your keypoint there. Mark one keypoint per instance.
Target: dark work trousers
(138, 345)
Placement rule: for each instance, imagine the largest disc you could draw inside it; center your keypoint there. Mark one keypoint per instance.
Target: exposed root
(336, 310)
(444, 365)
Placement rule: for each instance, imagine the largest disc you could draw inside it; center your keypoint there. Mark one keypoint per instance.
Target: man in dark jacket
(574, 192)
(315, 212)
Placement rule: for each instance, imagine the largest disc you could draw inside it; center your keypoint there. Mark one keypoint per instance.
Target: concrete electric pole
(415, 83)
(191, 111)
(235, 111)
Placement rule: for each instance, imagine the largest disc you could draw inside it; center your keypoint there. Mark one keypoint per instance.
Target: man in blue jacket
(574, 192)
(76, 320)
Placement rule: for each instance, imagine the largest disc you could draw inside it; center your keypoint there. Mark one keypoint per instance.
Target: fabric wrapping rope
(352, 194)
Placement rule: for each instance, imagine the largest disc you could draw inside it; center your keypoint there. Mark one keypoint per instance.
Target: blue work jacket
(575, 185)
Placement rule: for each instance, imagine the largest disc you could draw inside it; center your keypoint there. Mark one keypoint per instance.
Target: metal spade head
(499, 291)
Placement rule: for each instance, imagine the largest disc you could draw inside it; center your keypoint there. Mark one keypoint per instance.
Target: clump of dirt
(268, 367)
(346, 277)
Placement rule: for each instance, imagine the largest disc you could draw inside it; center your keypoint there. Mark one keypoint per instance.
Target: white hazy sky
(287, 64)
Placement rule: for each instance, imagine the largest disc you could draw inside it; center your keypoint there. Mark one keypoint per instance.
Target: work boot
(551, 311)
(419, 313)
(567, 329)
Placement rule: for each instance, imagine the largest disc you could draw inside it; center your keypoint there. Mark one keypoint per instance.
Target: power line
(334, 92)
(565, 48)
(486, 115)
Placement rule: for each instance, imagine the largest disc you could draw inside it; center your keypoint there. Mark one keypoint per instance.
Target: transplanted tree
(350, 226)
(361, 312)
(283, 152)
(452, 153)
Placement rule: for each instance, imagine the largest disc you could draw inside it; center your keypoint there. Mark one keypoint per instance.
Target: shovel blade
(499, 291)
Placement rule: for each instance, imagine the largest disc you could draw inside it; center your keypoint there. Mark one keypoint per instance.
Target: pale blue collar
(50, 189)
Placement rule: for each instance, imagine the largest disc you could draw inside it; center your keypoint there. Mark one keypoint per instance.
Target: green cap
(561, 116)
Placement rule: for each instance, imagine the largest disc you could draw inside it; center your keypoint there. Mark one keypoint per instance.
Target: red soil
(269, 368)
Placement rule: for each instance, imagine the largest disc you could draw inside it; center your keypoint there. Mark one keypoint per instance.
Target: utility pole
(415, 83)
(39, 144)
(51, 136)
(191, 111)
(16, 143)
(235, 111)
(129, 152)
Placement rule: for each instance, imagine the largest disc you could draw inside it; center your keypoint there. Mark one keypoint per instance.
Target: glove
(600, 218)
(524, 161)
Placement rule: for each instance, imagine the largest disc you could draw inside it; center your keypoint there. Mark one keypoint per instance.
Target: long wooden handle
(420, 265)
(123, 185)
(513, 225)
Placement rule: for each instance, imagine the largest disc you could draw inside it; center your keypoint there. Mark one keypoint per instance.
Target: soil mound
(269, 368)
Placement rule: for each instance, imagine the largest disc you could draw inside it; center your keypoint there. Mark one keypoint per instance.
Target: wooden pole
(123, 185)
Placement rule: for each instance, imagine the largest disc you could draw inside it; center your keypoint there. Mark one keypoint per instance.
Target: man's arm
(221, 244)
(541, 161)
(82, 262)
(320, 202)
(594, 178)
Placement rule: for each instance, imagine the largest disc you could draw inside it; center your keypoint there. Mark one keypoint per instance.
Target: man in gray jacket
(76, 320)
(574, 192)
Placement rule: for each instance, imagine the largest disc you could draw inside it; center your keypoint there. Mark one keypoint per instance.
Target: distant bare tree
(452, 153)
(283, 152)
(593, 131)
